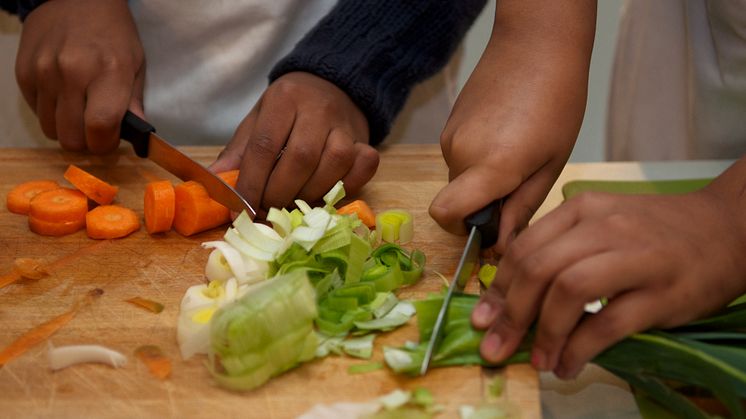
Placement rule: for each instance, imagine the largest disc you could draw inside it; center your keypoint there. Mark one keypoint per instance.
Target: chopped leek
(486, 274)
(395, 226)
(265, 333)
(364, 368)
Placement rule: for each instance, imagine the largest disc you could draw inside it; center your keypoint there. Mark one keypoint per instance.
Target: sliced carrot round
(55, 228)
(159, 206)
(18, 198)
(230, 177)
(93, 187)
(196, 211)
(59, 205)
(111, 222)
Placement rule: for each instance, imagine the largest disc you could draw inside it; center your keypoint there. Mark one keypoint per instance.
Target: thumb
(466, 194)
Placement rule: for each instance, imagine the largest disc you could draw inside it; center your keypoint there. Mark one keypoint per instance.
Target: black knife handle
(487, 221)
(137, 131)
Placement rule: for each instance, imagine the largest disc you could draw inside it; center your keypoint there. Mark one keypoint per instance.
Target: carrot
(59, 205)
(160, 204)
(230, 177)
(111, 222)
(93, 187)
(149, 305)
(55, 228)
(196, 211)
(157, 363)
(19, 198)
(363, 211)
(42, 332)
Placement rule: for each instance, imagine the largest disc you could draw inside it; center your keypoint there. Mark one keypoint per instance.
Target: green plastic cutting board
(677, 186)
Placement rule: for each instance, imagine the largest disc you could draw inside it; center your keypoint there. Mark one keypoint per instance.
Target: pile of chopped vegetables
(281, 295)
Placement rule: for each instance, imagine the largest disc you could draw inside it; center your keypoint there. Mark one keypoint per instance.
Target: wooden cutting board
(161, 268)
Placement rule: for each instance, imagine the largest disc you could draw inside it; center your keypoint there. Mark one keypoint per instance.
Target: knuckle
(303, 156)
(262, 145)
(45, 65)
(339, 154)
(101, 119)
(569, 286)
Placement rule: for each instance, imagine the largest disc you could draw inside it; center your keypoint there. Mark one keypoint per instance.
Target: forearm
(536, 63)
(376, 51)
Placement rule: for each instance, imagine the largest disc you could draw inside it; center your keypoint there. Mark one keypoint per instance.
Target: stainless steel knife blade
(483, 233)
(148, 144)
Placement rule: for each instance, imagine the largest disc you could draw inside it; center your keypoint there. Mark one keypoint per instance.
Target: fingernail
(539, 360)
(491, 345)
(483, 313)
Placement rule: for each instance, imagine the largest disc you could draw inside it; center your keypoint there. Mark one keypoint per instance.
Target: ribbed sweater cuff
(376, 51)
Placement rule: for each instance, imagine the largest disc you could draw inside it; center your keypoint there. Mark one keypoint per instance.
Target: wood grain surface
(161, 268)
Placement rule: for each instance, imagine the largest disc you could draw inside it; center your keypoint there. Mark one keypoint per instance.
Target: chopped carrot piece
(59, 205)
(363, 211)
(158, 364)
(42, 332)
(93, 187)
(230, 177)
(111, 222)
(160, 204)
(30, 268)
(19, 198)
(149, 305)
(196, 211)
(55, 228)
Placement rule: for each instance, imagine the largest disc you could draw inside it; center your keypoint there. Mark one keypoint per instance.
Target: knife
(483, 231)
(148, 144)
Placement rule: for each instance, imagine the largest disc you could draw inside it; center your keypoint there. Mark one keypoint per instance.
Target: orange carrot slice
(149, 305)
(111, 222)
(160, 204)
(230, 177)
(93, 187)
(19, 198)
(363, 211)
(42, 332)
(59, 205)
(158, 364)
(55, 228)
(196, 211)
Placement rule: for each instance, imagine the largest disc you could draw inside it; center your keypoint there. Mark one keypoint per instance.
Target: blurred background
(18, 126)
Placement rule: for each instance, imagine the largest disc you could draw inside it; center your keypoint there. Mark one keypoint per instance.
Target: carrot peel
(158, 364)
(149, 305)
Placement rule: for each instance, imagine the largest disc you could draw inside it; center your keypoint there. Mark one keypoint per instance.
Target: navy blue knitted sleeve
(20, 7)
(377, 50)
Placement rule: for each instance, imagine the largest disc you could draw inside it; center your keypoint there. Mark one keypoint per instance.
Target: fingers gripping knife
(483, 231)
(149, 145)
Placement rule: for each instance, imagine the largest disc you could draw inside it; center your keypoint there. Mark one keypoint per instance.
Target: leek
(395, 226)
(265, 333)
(708, 354)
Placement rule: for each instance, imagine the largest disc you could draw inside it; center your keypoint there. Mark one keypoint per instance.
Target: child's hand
(661, 261)
(302, 136)
(80, 66)
(515, 122)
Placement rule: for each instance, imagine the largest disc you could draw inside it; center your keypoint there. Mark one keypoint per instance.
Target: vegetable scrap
(30, 268)
(351, 285)
(19, 198)
(64, 356)
(159, 206)
(487, 274)
(361, 209)
(158, 364)
(365, 368)
(111, 222)
(94, 188)
(44, 331)
(149, 305)
(398, 404)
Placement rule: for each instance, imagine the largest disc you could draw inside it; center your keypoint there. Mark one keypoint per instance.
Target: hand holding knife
(149, 145)
(483, 229)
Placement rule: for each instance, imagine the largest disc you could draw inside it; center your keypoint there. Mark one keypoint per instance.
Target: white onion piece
(232, 257)
(216, 268)
(65, 356)
(261, 236)
(195, 298)
(281, 222)
(233, 237)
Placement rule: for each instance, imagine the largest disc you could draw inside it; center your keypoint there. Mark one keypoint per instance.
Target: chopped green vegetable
(365, 368)
(395, 226)
(486, 274)
(395, 399)
(265, 333)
